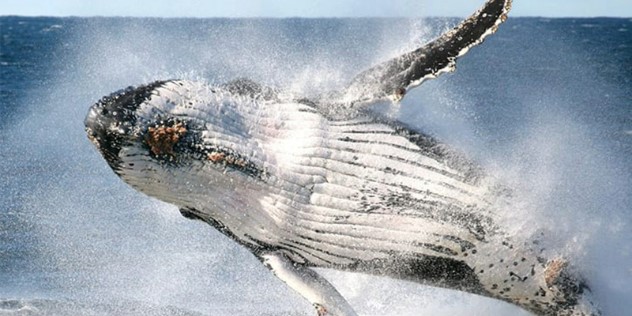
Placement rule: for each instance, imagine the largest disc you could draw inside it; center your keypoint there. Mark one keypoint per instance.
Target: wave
(44, 307)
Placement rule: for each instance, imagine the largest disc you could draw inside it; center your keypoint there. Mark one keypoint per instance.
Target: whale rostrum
(302, 188)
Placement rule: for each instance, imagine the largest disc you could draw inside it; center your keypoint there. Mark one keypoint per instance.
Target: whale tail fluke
(391, 79)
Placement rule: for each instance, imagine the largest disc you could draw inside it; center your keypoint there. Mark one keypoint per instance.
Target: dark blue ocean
(545, 103)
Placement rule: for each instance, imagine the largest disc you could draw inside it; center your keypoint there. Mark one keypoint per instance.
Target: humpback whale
(328, 183)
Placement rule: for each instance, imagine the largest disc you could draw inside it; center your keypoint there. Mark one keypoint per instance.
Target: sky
(307, 8)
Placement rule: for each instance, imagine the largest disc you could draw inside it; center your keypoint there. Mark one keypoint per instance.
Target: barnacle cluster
(162, 138)
(231, 160)
(553, 271)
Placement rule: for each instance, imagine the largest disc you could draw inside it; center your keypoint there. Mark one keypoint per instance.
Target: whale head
(111, 123)
(156, 138)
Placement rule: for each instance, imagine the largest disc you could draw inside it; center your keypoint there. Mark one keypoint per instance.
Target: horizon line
(304, 17)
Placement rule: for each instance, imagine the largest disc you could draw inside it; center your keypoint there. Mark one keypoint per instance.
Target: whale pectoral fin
(391, 79)
(308, 284)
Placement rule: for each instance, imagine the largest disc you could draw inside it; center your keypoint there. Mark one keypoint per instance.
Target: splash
(95, 240)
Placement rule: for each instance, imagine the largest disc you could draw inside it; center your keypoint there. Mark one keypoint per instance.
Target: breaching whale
(328, 183)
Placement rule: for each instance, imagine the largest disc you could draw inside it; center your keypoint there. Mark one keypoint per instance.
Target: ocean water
(546, 104)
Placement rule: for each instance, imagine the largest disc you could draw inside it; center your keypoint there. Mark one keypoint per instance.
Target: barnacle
(216, 156)
(161, 139)
(553, 271)
(227, 159)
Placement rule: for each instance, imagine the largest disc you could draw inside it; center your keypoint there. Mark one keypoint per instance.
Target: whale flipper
(309, 284)
(391, 79)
